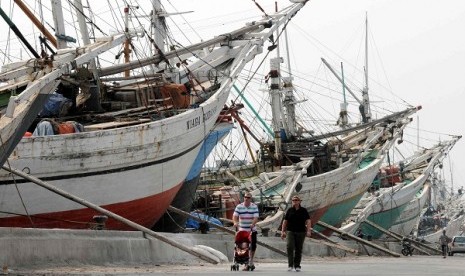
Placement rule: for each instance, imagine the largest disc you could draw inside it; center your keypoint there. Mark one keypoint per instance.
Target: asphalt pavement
(327, 266)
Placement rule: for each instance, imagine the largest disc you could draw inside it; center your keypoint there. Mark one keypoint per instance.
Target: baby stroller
(242, 242)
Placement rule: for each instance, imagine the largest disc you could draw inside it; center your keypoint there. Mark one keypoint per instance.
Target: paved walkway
(328, 266)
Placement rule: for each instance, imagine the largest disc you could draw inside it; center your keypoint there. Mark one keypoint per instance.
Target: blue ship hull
(172, 222)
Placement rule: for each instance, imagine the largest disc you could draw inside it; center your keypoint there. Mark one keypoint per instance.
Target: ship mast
(289, 102)
(158, 30)
(282, 99)
(341, 80)
(58, 20)
(364, 104)
(84, 31)
(366, 100)
(277, 112)
(127, 51)
(343, 119)
(92, 66)
(276, 107)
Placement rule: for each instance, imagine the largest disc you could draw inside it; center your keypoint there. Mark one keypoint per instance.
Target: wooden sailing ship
(140, 133)
(384, 206)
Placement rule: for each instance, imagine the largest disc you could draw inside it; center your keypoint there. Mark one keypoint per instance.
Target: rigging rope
(89, 20)
(260, 8)
(17, 189)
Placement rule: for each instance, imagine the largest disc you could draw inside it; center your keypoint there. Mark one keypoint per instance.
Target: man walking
(444, 240)
(295, 227)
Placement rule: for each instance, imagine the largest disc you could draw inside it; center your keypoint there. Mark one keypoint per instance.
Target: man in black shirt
(296, 226)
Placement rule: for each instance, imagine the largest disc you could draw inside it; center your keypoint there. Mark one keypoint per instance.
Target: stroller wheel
(251, 267)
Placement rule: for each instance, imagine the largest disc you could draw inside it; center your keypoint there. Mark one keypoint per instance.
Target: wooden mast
(36, 22)
(58, 19)
(159, 33)
(343, 120)
(126, 50)
(366, 100)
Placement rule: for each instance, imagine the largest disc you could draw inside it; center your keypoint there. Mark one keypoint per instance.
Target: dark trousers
(295, 243)
(444, 249)
(253, 242)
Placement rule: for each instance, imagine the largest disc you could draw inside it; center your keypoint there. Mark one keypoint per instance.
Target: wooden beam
(36, 22)
(400, 238)
(394, 254)
(394, 235)
(331, 243)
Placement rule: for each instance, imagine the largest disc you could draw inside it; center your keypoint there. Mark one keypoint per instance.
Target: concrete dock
(97, 252)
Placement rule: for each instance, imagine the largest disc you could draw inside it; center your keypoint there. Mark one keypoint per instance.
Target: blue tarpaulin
(56, 105)
(192, 223)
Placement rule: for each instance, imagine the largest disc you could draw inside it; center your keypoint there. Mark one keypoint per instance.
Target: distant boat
(339, 167)
(348, 196)
(409, 218)
(344, 162)
(385, 205)
(445, 212)
(455, 225)
(142, 129)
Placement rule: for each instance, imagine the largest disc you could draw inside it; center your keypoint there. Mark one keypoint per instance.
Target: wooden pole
(331, 243)
(394, 254)
(36, 22)
(110, 214)
(400, 237)
(392, 234)
(224, 229)
(18, 33)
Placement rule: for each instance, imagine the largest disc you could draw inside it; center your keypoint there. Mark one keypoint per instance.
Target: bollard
(99, 222)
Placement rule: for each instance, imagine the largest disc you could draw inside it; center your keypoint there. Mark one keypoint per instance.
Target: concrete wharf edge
(25, 247)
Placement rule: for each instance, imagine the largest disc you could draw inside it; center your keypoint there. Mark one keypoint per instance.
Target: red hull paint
(144, 211)
(317, 214)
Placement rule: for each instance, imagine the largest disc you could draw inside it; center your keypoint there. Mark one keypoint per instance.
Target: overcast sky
(418, 48)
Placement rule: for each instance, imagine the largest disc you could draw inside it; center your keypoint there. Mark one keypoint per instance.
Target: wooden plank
(122, 112)
(162, 100)
(353, 237)
(114, 124)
